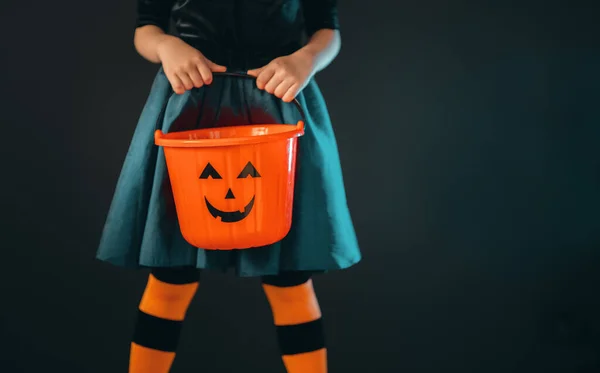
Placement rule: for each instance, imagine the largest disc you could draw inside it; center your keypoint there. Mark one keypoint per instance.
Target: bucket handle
(299, 126)
(248, 76)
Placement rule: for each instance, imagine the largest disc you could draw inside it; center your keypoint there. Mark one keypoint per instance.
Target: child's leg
(297, 316)
(168, 294)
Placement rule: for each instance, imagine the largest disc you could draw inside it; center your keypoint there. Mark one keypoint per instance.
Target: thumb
(255, 72)
(215, 68)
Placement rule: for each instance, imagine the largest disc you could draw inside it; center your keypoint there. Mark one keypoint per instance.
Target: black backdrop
(469, 138)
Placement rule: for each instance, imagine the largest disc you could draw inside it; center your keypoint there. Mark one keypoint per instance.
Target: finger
(215, 68)
(186, 80)
(196, 78)
(276, 80)
(291, 93)
(283, 87)
(255, 72)
(176, 83)
(205, 72)
(265, 76)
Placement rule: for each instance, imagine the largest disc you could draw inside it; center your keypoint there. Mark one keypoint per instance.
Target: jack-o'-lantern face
(210, 172)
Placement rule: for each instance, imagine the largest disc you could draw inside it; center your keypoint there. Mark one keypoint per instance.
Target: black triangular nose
(229, 194)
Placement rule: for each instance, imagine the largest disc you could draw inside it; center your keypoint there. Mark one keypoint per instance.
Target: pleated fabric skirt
(142, 229)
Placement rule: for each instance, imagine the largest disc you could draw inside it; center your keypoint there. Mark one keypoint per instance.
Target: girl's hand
(285, 76)
(184, 65)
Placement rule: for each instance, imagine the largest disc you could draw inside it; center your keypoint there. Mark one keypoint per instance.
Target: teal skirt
(142, 230)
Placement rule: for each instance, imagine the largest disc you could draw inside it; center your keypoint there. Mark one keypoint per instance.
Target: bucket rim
(295, 131)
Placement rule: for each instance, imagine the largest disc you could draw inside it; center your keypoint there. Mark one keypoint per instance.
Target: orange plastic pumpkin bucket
(233, 186)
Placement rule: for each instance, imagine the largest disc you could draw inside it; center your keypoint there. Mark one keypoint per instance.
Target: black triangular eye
(209, 171)
(249, 170)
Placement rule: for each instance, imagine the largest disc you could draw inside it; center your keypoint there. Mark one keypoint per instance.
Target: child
(282, 44)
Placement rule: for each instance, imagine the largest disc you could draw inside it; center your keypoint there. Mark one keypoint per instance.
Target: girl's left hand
(285, 76)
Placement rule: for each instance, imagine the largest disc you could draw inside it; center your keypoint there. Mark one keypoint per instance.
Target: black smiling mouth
(229, 216)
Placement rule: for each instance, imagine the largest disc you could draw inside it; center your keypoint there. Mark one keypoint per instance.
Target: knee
(169, 292)
(288, 287)
(292, 298)
(172, 284)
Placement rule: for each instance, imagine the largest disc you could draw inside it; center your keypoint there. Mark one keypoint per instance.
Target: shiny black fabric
(241, 33)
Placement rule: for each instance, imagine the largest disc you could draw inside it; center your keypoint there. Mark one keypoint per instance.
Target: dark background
(469, 135)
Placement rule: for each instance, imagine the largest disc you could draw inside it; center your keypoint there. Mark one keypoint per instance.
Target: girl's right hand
(185, 66)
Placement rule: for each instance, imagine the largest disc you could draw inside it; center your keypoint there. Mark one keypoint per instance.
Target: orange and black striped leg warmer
(168, 294)
(297, 317)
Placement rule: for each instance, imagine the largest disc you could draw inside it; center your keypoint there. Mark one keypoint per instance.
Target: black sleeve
(154, 12)
(320, 14)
